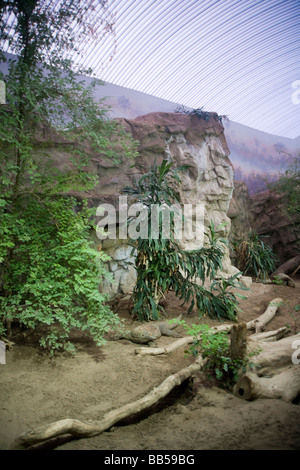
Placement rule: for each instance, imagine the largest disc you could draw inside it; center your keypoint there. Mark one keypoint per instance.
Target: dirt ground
(36, 390)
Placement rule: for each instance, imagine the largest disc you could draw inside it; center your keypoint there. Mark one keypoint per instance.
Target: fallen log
(296, 270)
(285, 280)
(288, 267)
(74, 428)
(165, 349)
(274, 373)
(284, 386)
(273, 356)
(258, 324)
(8, 344)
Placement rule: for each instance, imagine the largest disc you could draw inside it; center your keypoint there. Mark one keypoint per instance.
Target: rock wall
(267, 218)
(238, 210)
(183, 139)
(263, 212)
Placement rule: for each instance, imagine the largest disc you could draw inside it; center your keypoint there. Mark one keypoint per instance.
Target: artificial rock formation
(267, 217)
(264, 213)
(238, 210)
(183, 139)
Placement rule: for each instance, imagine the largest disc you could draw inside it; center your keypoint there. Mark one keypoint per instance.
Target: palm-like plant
(161, 264)
(253, 255)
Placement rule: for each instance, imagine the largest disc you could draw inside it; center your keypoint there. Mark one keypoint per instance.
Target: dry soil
(36, 390)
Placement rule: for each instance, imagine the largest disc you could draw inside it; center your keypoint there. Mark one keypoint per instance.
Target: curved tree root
(79, 429)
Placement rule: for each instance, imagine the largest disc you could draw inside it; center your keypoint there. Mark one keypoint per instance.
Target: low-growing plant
(54, 277)
(276, 280)
(215, 348)
(253, 256)
(199, 112)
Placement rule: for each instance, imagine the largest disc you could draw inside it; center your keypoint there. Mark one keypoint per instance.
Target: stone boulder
(181, 138)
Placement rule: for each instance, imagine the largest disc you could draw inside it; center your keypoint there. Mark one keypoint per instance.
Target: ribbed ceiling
(236, 57)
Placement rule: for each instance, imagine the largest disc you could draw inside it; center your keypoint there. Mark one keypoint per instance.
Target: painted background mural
(255, 155)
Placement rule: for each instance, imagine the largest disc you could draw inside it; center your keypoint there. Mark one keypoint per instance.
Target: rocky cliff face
(183, 139)
(267, 218)
(263, 212)
(238, 210)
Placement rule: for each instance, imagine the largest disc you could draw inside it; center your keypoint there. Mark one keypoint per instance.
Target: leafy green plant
(228, 306)
(163, 266)
(199, 112)
(50, 270)
(253, 255)
(215, 348)
(277, 280)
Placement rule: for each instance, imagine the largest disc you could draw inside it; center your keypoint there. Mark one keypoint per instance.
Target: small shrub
(253, 256)
(277, 280)
(215, 347)
(199, 112)
(228, 305)
(55, 274)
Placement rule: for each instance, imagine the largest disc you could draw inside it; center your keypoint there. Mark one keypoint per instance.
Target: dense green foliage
(225, 291)
(162, 265)
(50, 271)
(215, 348)
(253, 256)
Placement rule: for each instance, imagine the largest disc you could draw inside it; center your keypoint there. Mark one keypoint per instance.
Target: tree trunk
(296, 270)
(269, 335)
(274, 355)
(275, 372)
(238, 342)
(260, 323)
(288, 267)
(284, 386)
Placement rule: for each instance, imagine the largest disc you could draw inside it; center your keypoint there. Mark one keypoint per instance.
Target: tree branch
(75, 428)
(258, 324)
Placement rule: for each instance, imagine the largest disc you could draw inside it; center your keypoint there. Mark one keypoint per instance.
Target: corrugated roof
(240, 58)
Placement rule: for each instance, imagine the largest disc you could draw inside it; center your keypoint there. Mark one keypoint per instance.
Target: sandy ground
(36, 390)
